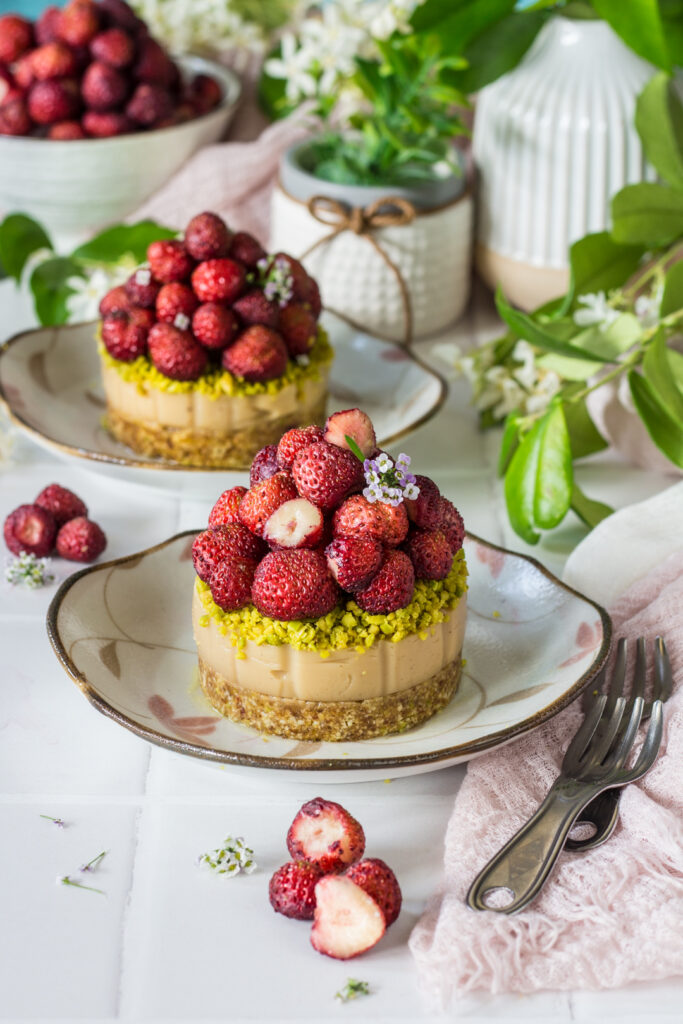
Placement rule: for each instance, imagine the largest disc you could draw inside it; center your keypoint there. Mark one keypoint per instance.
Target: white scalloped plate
(50, 384)
(122, 631)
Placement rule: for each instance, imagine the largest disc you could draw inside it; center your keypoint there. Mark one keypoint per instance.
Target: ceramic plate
(50, 383)
(122, 631)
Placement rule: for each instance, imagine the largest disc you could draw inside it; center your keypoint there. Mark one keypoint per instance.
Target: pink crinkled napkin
(607, 917)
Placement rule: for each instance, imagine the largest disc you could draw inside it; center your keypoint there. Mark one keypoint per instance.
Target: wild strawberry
(218, 542)
(391, 588)
(153, 63)
(353, 561)
(225, 510)
(54, 100)
(259, 354)
(115, 299)
(324, 832)
(66, 131)
(292, 889)
(424, 510)
(103, 87)
(47, 26)
(230, 583)
(263, 498)
(214, 325)
(53, 60)
(32, 529)
(124, 335)
(450, 521)
(207, 237)
(9, 89)
(347, 922)
(61, 503)
(106, 124)
(22, 72)
(175, 353)
(246, 249)
(79, 22)
(149, 104)
(118, 12)
(298, 327)
(378, 880)
(254, 308)
(16, 36)
(169, 260)
(357, 517)
(325, 474)
(176, 299)
(353, 423)
(218, 280)
(14, 119)
(80, 540)
(264, 465)
(295, 524)
(292, 441)
(311, 297)
(141, 289)
(204, 93)
(430, 552)
(114, 47)
(294, 584)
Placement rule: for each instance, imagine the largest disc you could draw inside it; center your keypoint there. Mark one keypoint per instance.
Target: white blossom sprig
(234, 857)
(29, 570)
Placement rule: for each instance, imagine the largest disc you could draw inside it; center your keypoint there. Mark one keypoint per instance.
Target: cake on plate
(212, 350)
(330, 597)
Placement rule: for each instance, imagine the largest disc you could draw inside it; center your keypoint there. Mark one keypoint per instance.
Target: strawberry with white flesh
(347, 920)
(353, 423)
(264, 498)
(325, 833)
(295, 524)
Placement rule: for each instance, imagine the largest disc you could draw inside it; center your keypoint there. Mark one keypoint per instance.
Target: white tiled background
(169, 942)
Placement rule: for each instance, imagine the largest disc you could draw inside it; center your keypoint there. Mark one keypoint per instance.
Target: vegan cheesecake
(330, 598)
(213, 350)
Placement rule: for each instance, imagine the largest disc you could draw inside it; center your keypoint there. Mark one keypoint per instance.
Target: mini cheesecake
(320, 613)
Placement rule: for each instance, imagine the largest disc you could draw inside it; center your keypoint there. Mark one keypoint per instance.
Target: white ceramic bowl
(76, 187)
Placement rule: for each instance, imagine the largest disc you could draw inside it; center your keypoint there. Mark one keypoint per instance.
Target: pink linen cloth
(607, 917)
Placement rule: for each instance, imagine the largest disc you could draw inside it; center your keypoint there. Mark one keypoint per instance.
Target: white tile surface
(170, 942)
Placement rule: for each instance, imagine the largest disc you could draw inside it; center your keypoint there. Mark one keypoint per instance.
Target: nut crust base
(331, 720)
(235, 450)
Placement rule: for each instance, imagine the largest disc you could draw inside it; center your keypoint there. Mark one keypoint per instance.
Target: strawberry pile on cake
(213, 349)
(330, 599)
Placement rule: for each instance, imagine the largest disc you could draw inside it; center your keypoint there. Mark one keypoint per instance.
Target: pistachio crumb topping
(217, 381)
(345, 626)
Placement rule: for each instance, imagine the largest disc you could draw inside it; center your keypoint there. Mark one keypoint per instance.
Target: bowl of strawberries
(95, 114)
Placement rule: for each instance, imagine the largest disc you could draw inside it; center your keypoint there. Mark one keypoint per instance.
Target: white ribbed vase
(553, 141)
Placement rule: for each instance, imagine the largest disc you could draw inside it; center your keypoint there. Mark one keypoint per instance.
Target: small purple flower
(388, 482)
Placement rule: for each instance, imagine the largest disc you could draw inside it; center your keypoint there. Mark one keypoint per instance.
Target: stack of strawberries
(215, 298)
(56, 521)
(92, 70)
(302, 538)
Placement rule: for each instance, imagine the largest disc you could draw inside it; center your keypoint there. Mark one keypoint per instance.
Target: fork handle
(603, 813)
(522, 866)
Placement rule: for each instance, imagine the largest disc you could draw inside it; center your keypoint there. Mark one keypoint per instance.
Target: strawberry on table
(80, 540)
(347, 921)
(292, 889)
(30, 528)
(61, 503)
(378, 880)
(294, 584)
(324, 832)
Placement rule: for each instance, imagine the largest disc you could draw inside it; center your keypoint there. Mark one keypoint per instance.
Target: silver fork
(594, 762)
(602, 813)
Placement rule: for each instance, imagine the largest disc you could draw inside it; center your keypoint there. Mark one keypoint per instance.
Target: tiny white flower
(596, 311)
(293, 65)
(181, 321)
(143, 276)
(83, 303)
(646, 307)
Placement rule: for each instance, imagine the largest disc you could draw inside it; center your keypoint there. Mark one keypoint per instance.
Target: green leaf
(638, 23)
(599, 264)
(672, 20)
(611, 342)
(672, 298)
(499, 49)
(676, 364)
(659, 120)
(20, 237)
(50, 290)
(464, 21)
(647, 213)
(510, 441)
(553, 491)
(664, 430)
(659, 375)
(354, 448)
(568, 369)
(520, 486)
(589, 511)
(525, 327)
(123, 239)
(584, 437)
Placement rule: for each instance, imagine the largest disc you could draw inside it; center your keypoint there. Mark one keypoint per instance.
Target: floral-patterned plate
(50, 384)
(122, 631)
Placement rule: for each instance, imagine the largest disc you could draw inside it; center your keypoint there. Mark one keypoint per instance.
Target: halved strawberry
(324, 832)
(32, 529)
(259, 503)
(292, 889)
(378, 880)
(347, 921)
(325, 474)
(353, 423)
(295, 524)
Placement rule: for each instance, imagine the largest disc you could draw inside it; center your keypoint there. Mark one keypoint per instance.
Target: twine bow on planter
(389, 211)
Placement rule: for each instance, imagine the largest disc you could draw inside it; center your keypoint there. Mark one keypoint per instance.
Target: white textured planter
(73, 188)
(553, 141)
(432, 251)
